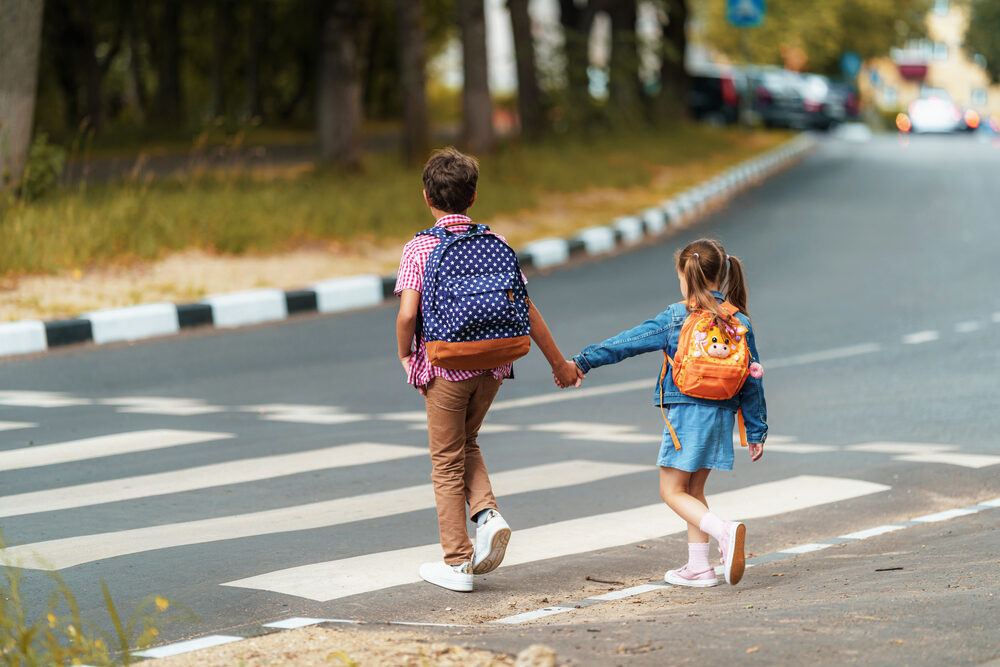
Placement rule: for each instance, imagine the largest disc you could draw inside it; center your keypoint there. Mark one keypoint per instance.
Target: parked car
(713, 97)
(826, 103)
(776, 98)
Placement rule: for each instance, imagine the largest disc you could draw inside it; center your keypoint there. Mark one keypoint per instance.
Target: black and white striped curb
(258, 306)
(296, 622)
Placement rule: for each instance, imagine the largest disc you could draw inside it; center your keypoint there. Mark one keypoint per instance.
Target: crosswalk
(374, 497)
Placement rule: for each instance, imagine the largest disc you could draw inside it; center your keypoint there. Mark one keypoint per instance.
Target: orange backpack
(711, 362)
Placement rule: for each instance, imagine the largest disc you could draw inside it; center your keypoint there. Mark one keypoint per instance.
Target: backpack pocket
(709, 379)
(480, 303)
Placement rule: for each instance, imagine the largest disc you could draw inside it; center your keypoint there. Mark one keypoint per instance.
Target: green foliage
(239, 213)
(43, 168)
(823, 30)
(983, 36)
(57, 633)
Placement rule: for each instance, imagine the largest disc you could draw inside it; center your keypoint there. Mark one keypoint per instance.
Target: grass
(263, 212)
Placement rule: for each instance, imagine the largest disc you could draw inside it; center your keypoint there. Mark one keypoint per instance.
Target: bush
(57, 634)
(43, 169)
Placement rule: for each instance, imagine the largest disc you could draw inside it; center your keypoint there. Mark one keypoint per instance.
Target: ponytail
(736, 286)
(704, 262)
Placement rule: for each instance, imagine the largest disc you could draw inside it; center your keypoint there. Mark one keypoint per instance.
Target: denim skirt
(705, 434)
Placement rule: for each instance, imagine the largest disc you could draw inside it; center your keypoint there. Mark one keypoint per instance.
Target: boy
(457, 400)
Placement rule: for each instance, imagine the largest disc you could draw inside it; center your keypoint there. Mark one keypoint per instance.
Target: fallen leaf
(753, 650)
(778, 574)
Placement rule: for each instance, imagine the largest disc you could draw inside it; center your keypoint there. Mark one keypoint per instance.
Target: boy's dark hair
(450, 179)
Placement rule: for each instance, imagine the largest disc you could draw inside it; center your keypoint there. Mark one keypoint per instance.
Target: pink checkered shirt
(411, 276)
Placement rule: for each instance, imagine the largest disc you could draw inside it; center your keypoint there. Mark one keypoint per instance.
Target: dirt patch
(326, 646)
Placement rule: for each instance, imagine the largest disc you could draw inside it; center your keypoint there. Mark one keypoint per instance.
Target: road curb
(251, 307)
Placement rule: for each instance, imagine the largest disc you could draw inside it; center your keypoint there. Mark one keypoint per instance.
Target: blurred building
(933, 65)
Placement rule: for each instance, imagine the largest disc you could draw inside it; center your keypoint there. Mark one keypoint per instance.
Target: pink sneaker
(686, 577)
(731, 548)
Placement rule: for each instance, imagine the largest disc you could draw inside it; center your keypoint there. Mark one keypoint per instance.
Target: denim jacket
(662, 333)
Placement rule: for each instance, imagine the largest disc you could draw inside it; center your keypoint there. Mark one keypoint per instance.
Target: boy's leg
(447, 409)
(478, 490)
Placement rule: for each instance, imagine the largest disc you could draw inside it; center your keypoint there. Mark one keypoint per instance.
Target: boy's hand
(567, 374)
(756, 450)
(406, 370)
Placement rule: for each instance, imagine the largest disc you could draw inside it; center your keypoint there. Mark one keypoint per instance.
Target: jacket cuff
(581, 362)
(758, 436)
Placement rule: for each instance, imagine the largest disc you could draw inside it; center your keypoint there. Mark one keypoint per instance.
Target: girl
(698, 437)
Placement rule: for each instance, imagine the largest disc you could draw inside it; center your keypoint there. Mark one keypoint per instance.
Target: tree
(163, 29)
(416, 122)
(577, 19)
(822, 30)
(477, 109)
(344, 25)
(529, 96)
(675, 82)
(20, 39)
(983, 36)
(624, 85)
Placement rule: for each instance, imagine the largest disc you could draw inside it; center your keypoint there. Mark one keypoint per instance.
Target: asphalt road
(871, 269)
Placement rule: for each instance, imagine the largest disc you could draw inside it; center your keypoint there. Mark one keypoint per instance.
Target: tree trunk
(675, 83)
(166, 44)
(222, 27)
(91, 68)
(529, 96)
(256, 40)
(416, 123)
(339, 104)
(20, 40)
(477, 109)
(624, 84)
(577, 22)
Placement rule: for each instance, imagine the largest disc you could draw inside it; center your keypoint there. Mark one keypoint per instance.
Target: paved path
(281, 471)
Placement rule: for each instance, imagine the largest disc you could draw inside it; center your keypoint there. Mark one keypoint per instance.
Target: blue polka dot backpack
(474, 306)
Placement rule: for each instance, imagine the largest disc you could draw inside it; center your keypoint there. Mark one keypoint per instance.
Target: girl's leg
(674, 486)
(696, 489)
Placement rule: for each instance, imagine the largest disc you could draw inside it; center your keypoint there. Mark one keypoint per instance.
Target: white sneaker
(452, 577)
(492, 537)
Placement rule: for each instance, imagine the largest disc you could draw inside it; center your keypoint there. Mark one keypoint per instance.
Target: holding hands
(567, 374)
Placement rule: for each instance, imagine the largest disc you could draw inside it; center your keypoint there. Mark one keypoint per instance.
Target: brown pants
(455, 411)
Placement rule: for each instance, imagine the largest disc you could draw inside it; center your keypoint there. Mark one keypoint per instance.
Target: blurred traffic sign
(745, 13)
(850, 64)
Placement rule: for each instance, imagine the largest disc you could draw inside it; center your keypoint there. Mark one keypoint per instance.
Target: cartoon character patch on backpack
(474, 306)
(712, 360)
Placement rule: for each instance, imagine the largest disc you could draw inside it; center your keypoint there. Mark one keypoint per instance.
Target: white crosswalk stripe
(351, 576)
(40, 399)
(71, 551)
(16, 426)
(105, 445)
(203, 477)
(304, 414)
(156, 405)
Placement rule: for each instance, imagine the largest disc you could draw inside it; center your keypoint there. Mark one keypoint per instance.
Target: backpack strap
(663, 378)
(443, 233)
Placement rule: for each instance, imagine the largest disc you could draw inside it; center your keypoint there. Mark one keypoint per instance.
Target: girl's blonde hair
(703, 262)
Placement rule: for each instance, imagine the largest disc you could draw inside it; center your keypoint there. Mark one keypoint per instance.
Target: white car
(935, 114)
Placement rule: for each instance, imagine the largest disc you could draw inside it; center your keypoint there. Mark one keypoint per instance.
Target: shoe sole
(498, 547)
(735, 560)
(702, 583)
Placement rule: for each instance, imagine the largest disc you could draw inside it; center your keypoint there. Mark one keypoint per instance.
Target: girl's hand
(756, 450)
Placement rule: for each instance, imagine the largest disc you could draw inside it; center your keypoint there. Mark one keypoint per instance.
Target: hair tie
(728, 258)
(696, 255)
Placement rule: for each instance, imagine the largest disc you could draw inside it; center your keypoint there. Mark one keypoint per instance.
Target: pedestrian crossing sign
(745, 13)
